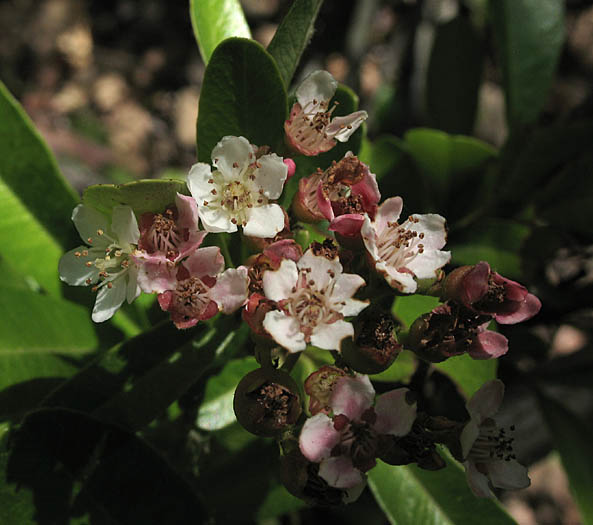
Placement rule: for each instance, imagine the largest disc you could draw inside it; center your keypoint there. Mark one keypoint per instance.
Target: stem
(290, 361)
(224, 248)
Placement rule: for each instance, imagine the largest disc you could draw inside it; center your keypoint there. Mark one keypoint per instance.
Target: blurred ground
(113, 87)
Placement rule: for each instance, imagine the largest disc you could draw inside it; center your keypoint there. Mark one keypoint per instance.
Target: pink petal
(205, 261)
(231, 289)
(284, 249)
(340, 473)
(389, 211)
(526, 310)
(513, 290)
(489, 345)
(348, 225)
(368, 189)
(351, 396)
(324, 204)
(395, 415)
(318, 438)
(475, 283)
(155, 273)
(187, 210)
(291, 167)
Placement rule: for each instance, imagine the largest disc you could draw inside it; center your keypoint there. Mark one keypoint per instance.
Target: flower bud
(374, 347)
(267, 402)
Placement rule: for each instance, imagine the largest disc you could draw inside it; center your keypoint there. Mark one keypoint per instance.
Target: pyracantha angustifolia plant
(316, 278)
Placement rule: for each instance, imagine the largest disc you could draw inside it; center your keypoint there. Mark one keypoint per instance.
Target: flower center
(399, 244)
(164, 235)
(307, 124)
(310, 308)
(359, 441)
(191, 297)
(492, 444)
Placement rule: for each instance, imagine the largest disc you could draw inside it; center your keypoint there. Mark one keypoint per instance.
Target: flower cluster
(333, 294)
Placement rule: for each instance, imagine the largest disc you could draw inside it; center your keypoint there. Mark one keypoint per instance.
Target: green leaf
(75, 464)
(216, 411)
(293, 36)
(400, 371)
(214, 21)
(407, 308)
(469, 374)
(26, 247)
(497, 241)
(409, 495)
(242, 95)
(573, 438)
(529, 35)
(33, 323)
(142, 196)
(29, 169)
(454, 74)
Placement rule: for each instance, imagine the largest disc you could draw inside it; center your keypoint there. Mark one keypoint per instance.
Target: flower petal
(87, 221)
(264, 221)
(74, 271)
(320, 269)
(216, 220)
(508, 475)
(278, 284)
(197, 181)
(231, 156)
(155, 274)
(133, 289)
(433, 226)
(468, 437)
(344, 287)
(341, 128)
(271, 175)
(395, 414)
(205, 261)
(109, 300)
(125, 225)
(285, 330)
(318, 438)
(424, 265)
(187, 209)
(486, 401)
(526, 310)
(318, 87)
(348, 224)
(351, 396)
(231, 289)
(478, 482)
(330, 336)
(488, 345)
(340, 473)
(389, 211)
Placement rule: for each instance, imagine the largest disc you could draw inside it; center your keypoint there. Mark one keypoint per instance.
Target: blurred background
(113, 87)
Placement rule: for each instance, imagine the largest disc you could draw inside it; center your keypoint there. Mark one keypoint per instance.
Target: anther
(100, 231)
(110, 285)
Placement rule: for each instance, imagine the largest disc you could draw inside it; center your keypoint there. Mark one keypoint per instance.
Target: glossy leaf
(27, 248)
(573, 438)
(454, 74)
(469, 374)
(407, 308)
(143, 195)
(400, 371)
(215, 20)
(409, 495)
(293, 36)
(29, 169)
(216, 410)
(529, 35)
(242, 95)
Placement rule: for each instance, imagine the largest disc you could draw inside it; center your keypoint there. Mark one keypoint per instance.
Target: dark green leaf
(214, 21)
(454, 74)
(469, 374)
(411, 496)
(529, 35)
(242, 95)
(573, 438)
(29, 169)
(143, 195)
(400, 371)
(293, 35)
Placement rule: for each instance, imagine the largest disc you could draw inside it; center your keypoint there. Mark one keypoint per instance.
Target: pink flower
(310, 130)
(479, 288)
(202, 289)
(486, 448)
(314, 296)
(166, 239)
(346, 445)
(342, 194)
(408, 251)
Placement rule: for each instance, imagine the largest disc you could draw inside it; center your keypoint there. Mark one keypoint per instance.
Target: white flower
(487, 449)
(310, 129)
(239, 190)
(105, 259)
(315, 296)
(403, 252)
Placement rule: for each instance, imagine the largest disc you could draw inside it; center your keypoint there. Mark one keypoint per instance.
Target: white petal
(468, 437)
(395, 415)
(352, 396)
(329, 336)
(478, 482)
(508, 475)
(231, 290)
(216, 220)
(486, 401)
(74, 271)
(402, 281)
(264, 221)
(424, 265)
(339, 472)
(109, 300)
(87, 221)
(318, 437)
(389, 211)
(319, 86)
(231, 156)
(271, 176)
(124, 225)
(278, 284)
(369, 237)
(344, 287)
(285, 330)
(321, 269)
(433, 228)
(341, 128)
(197, 181)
